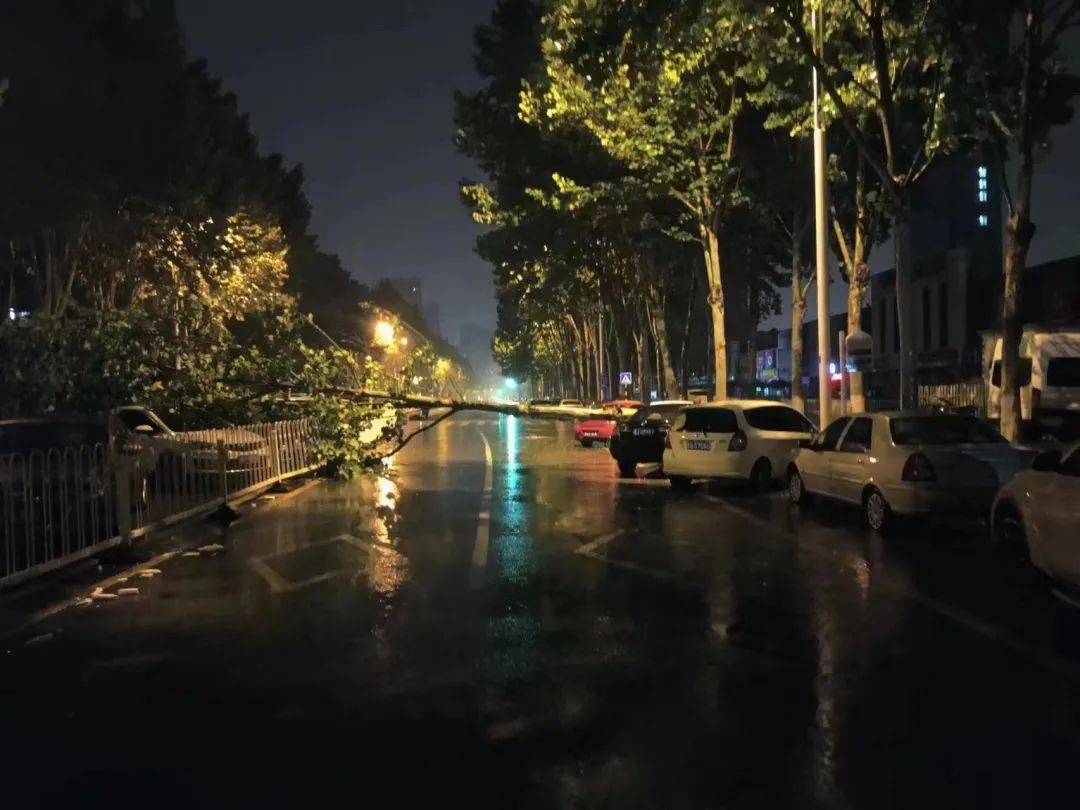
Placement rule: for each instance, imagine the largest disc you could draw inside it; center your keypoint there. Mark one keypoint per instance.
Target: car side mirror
(1047, 462)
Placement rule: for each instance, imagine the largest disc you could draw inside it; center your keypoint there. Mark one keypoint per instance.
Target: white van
(1049, 376)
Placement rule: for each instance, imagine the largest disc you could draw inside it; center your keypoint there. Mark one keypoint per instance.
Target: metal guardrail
(61, 505)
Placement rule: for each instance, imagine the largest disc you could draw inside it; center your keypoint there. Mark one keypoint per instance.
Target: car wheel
(627, 468)
(1008, 535)
(680, 482)
(876, 511)
(796, 489)
(761, 475)
(586, 442)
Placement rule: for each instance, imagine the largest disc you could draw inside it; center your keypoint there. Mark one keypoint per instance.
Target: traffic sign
(626, 378)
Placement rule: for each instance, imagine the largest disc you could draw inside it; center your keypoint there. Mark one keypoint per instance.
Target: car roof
(668, 402)
(745, 404)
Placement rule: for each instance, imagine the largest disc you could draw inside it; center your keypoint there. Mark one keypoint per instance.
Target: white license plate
(644, 432)
(590, 434)
(698, 445)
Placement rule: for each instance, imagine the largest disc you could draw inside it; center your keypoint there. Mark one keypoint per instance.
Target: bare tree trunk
(654, 308)
(798, 315)
(859, 280)
(684, 366)
(639, 352)
(1019, 231)
(716, 307)
(902, 243)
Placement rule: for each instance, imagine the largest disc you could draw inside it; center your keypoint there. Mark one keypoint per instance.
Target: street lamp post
(821, 225)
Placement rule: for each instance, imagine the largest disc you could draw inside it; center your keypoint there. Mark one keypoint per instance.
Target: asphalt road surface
(498, 621)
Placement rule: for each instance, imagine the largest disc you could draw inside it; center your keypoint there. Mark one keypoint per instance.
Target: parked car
(746, 439)
(907, 463)
(600, 429)
(145, 431)
(1039, 511)
(640, 439)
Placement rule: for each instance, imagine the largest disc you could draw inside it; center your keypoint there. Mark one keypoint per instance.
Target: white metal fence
(61, 505)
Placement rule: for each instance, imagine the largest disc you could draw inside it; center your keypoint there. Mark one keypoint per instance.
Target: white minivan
(753, 440)
(1049, 377)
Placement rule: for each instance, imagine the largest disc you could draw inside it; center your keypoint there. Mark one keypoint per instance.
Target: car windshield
(942, 429)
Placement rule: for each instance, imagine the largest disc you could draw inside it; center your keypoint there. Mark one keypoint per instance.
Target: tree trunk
(1019, 231)
(858, 278)
(599, 366)
(639, 355)
(684, 365)
(716, 308)
(902, 243)
(654, 309)
(798, 315)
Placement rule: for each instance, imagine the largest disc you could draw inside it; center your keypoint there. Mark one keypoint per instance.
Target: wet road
(500, 622)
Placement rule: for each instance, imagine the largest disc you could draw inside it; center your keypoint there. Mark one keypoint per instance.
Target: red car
(597, 429)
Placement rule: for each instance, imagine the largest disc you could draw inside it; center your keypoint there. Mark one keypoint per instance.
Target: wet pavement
(499, 621)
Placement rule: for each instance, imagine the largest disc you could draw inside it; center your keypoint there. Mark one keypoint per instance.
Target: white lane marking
(602, 540)
(478, 571)
(629, 566)
(968, 621)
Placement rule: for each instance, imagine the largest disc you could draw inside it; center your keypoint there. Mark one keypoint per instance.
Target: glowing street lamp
(384, 333)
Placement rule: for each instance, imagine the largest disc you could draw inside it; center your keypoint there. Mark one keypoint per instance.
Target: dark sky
(361, 93)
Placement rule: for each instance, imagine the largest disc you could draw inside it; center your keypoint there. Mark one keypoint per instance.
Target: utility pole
(821, 226)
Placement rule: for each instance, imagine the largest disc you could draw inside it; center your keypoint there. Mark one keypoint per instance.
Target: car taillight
(738, 442)
(918, 468)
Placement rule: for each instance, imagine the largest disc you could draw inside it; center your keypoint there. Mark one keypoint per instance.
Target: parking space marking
(602, 540)
(478, 570)
(963, 618)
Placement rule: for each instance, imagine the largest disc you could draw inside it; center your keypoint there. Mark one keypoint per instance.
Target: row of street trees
(152, 253)
(619, 136)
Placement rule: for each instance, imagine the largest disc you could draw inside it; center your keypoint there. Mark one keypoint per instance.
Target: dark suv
(640, 439)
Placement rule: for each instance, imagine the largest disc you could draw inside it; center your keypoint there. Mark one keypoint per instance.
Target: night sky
(361, 93)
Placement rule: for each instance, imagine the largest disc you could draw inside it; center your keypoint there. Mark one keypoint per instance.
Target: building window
(943, 315)
(926, 317)
(983, 196)
(983, 184)
(984, 220)
(983, 173)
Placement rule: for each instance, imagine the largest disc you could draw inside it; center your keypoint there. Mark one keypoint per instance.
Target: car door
(1057, 516)
(847, 466)
(814, 461)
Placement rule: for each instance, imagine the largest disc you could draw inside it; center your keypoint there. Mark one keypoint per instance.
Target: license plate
(696, 445)
(590, 434)
(644, 432)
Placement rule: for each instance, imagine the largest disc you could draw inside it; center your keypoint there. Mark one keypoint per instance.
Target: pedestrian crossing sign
(626, 378)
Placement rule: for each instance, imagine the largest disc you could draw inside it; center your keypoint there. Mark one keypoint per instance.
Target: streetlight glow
(384, 333)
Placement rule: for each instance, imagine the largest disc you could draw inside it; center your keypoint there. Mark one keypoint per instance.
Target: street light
(384, 333)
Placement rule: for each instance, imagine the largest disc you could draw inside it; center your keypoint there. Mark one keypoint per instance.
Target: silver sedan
(943, 466)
